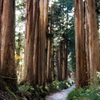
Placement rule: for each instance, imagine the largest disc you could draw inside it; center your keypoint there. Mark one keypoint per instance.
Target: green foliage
(26, 89)
(73, 95)
(39, 92)
(57, 86)
(91, 92)
(36, 92)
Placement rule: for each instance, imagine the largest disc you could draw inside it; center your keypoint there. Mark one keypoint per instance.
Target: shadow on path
(60, 95)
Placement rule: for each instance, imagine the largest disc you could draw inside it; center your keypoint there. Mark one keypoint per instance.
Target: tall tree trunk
(48, 59)
(42, 43)
(66, 58)
(0, 42)
(59, 71)
(87, 45)
(81, 70)
(49, 53)
(46, 32)
(38, 49)
(51, 74)
(8, 42)
(0, 36)
(92, 38)
(35, 57)
(63, 58)
(29, 41)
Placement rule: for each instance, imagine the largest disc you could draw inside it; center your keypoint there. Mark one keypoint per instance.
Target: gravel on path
(60, 95)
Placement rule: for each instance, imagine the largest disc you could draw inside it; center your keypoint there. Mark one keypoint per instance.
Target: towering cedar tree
(29, 42)
(8, 42)
(48, 54)
(66, 57)
(42, 43)
(50, 50)
(80, 44)
(59, 63)
(92, 42)
(36, 31)
(46, 32)
(0, 36)
(0, 42)
(63, 59)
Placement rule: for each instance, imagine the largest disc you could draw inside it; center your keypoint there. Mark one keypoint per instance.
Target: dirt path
(60, 95)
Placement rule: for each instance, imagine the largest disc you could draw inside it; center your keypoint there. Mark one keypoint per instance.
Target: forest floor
(62, 95)
(4, 95)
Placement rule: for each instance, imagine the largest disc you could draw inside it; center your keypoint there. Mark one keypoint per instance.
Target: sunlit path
(60, 95)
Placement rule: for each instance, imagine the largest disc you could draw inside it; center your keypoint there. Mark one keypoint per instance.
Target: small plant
(57, 86)
(91, 92)
(75, 94)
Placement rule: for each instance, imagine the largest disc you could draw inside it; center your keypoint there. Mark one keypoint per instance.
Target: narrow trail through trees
(60, 95)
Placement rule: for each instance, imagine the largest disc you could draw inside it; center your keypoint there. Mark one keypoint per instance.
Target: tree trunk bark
(92, 38)
(42, 42)
(43, 28)
(0, 44)
(46, 32)
(35, 57)
(51, 70)
(81, 69)
(59, 71)
(29, 42)
(63, 58)
(66, 58)
(48, 59)
(0, 36)
(8, 42)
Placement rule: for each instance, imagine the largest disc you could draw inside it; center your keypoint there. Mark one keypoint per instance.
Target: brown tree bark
(42, 43)
(0, 35)
(66, 58)
(81, 76)
(35, 57)
(48, 78)
(38, 48)
(51, 67)
(61, 60)
(59, 69)
(63, 54)
(43, 28)
(50, 51)
(29, 41)
(46, 32)
(2, 85)
(8, 42)
(48, 59)
(0, 41)
(92, 39)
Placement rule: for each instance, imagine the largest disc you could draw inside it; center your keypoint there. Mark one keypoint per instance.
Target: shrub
(91, 92)
(39, 92)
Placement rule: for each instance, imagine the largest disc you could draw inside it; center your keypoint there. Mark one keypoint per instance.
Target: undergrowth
(39, 92)
(36, 92)
(91, 92)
